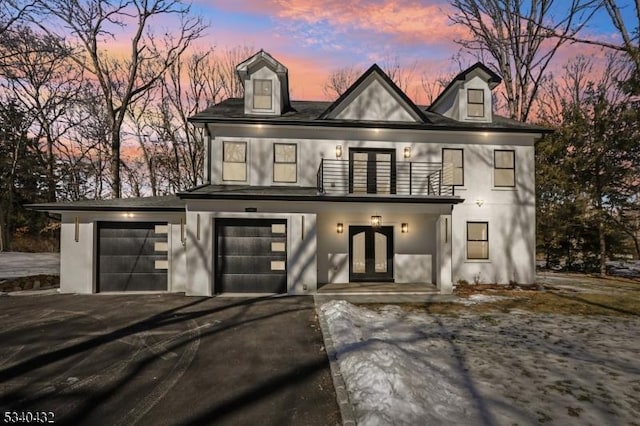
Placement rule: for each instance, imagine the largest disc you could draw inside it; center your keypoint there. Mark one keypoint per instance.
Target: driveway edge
(346, 409)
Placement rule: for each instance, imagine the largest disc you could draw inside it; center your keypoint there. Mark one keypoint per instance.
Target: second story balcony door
(372, 171)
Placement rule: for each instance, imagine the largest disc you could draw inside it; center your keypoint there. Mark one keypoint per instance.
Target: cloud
(405, 21)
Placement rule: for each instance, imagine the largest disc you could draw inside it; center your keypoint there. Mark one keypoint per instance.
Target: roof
(264, 56)
(374, 69)
(162, 203)
(307, 113)
(493, 80)
(296, 193)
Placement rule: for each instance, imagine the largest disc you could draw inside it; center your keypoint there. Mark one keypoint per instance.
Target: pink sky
(313, 37)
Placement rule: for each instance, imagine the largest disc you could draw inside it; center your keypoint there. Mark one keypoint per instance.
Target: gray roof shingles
(308, 112)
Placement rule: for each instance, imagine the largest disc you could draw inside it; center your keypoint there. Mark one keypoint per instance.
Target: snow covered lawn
(520, 368)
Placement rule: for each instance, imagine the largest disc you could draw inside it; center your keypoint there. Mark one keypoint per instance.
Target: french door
(372, 171)
(370, 253)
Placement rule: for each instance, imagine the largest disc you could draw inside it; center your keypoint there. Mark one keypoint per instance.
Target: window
(475, 102)
(477, 240)
(504, 168)
(452, 167)
(284, 162)
(262, 94)
(234, 161)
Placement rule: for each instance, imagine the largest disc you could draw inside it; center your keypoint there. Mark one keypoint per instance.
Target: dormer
(468, 96)
(266, 85)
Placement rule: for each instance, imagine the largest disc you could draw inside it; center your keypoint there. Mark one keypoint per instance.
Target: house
(299, 194)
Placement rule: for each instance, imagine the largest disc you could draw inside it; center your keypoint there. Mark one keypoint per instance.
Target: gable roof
(344, 99)
(261, 56)
(492, 78)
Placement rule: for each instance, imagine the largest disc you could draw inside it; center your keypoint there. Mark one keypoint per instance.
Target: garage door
(132, 256)
(251, 256)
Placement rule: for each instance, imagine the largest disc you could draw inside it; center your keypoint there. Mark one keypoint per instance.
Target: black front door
(370, 253)
(372, 171)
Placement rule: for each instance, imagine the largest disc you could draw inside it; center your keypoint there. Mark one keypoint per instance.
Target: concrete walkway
(15, 264)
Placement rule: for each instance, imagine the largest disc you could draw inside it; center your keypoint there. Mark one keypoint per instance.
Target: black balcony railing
(384, 177)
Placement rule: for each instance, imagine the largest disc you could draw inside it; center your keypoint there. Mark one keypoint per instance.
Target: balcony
(340, 177)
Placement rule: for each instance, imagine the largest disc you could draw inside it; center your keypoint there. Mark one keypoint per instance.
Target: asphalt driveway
(165, 359)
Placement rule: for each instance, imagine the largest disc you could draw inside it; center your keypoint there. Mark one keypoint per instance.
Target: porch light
(479, 202)
(407, 152)
(376, 221)
(338, 151)
(339, 227)
(404, 228)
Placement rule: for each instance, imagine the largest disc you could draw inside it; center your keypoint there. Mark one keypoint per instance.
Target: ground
(564, 354)
(165, 359)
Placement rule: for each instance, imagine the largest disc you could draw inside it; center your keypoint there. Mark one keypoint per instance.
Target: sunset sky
(313, 37)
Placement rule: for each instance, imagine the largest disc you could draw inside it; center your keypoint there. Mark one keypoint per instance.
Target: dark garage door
(251, 256)
(127, 256)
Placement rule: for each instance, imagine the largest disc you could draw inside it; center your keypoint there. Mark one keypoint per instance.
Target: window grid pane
(475, 102)
(234, 164)
(453, 164)
(504, 168)
(477, 240)
(262, 90)
(284, 163)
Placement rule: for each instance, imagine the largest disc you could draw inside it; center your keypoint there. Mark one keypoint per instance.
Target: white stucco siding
(478, 155)
(78, 259)
(511, 233)
(375, 102)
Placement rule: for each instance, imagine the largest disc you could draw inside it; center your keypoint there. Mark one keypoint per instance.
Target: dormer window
(262, 91)
(475, 103)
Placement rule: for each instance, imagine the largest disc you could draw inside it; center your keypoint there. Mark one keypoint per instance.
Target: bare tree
(432, 85)
(123, 81)
(520, 39)
(12, 12)
(340, 80)
(227, 61)
(45, 83)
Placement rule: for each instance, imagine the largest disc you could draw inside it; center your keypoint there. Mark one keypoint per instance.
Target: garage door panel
(254, 283)
(249, 230)
(127, 257)
(121, 264)
(131, 246)
(241, 245)
(251, 256)
(133, 282)
(249, 264)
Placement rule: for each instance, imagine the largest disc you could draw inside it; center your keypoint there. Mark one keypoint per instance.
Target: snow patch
(474, 299)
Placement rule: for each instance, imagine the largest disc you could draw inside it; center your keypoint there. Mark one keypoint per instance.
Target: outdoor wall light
(407, 152)
(404, 228)
(376, 221)
(338, 151)
(339, 227)
(479, 202)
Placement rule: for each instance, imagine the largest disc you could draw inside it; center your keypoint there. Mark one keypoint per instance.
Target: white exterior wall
(510, 212)
(78, 259)
(374, 102)
(264, 73)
